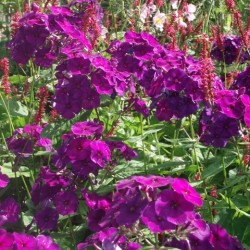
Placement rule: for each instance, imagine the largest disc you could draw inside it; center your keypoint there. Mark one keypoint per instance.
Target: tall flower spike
(43, 96)
(4, 67)
(207, 71)
(230, 5)
(14, 25)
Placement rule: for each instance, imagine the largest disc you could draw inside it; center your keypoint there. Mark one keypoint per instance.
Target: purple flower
(183, 187)
(131, 209)
(242, 81)
(9, 211)
(153, 181)
(46, 219)
(46, 243)
(154, 222)
(231, 48)
(133, 246)
(44, 57)
(246, 102)
(90, 99)
(83, 168)
(86, 128)
(6, 240)
(66, 202)
(193, 89)
(198, 244)
(76, 65)
(100, 153)
(141, 107)
(68, 108)
(102, 82)
(78, 149)
(25, 242)
(4, 180)
(217, 128)
(173, 207)
(163, 111)
(175, 79)
(108, 245)
(230, 103)
(219, 237)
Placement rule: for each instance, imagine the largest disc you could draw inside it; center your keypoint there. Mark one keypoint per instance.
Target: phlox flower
(25, 242)
(154, 222)
(159, 20)
(46, 243)
(66, 202)
(100, 153)
(173, 207)
(246, 101)
(6, 240)
(46, 219)
(183, 187)
(9, 211)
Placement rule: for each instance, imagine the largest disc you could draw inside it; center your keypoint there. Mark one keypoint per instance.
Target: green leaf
(233, 206)
(17, 79)
(246, 237)
(16, 108)
(217, 166)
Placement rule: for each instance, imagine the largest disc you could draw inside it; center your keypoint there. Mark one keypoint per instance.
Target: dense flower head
(23, 140)
(36, 33)
(158, 204)
(217, 128)
(149, 78)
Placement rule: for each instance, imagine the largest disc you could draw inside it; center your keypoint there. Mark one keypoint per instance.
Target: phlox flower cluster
(11, 241)
(9, 215)
(162, 205)
(25, 141)
(45, 37)
(156, 78)
(82, 153)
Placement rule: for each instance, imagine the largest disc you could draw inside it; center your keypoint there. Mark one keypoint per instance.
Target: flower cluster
(10, 241)
(81, 154)
(153, 77)
(38, 33)
(162, 205)
(24, 142)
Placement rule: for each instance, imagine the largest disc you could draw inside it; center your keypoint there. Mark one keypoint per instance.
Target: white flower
(146, 10)
(104, 31)
(144, 13)
(174, 4)
(191, 8)
(159, 20)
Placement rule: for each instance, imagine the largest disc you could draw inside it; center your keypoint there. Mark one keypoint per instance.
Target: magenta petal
(4, 180)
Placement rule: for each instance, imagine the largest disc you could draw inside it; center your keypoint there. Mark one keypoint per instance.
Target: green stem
(143, 146)
(72, 231)
(8, 114)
